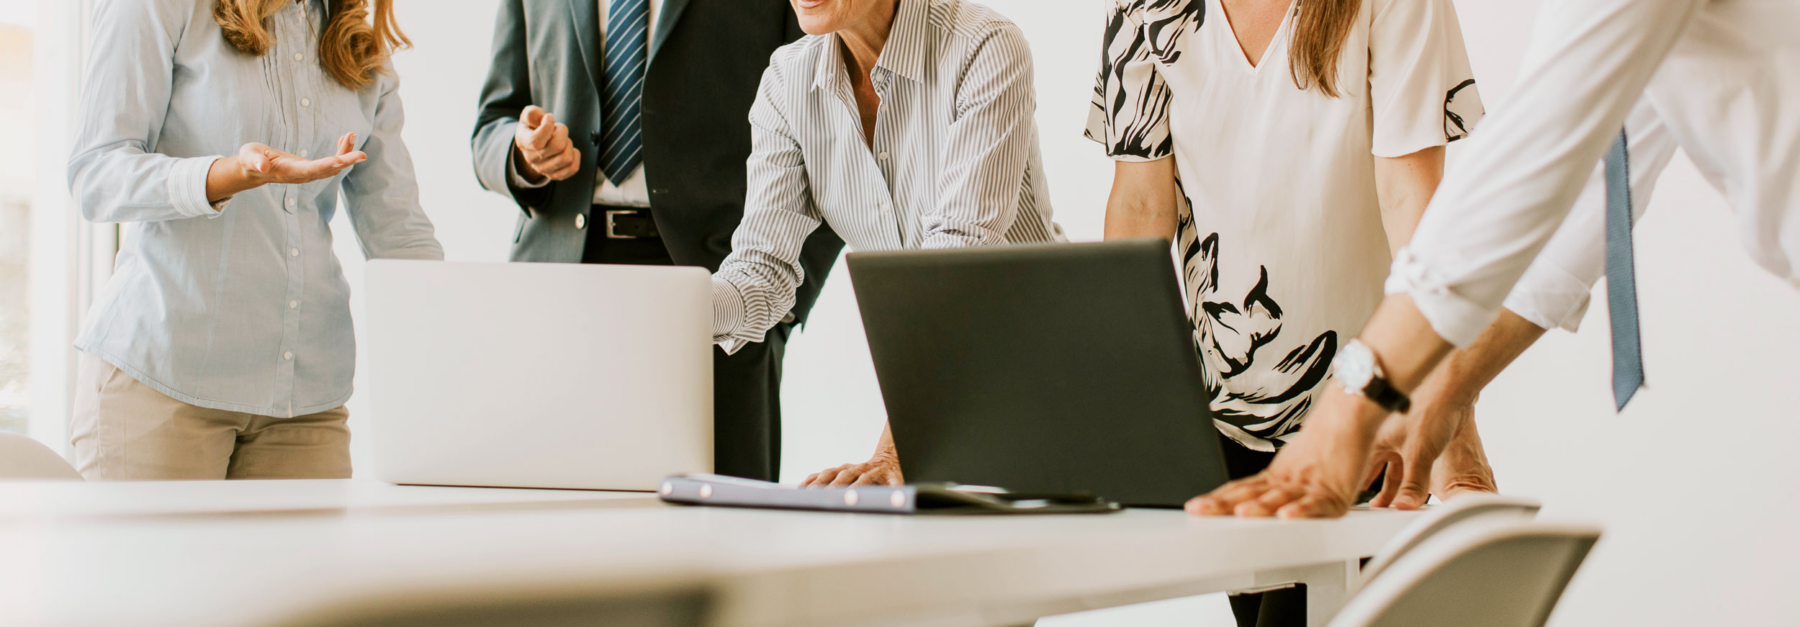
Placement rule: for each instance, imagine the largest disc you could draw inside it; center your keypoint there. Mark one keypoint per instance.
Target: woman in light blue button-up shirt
(222, 133)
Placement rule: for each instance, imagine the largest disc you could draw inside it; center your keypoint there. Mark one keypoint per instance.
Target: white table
(25, 501)
(763, 568)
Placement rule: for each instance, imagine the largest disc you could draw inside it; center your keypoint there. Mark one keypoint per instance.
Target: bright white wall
(1697, 483)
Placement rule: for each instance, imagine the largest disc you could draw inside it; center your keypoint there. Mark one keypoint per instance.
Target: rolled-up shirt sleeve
(755, 286)
(113, 174)
(1554, 292)
(1586, 66)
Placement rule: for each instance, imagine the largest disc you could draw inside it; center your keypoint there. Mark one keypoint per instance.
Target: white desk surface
(75, 500)
(767, 568)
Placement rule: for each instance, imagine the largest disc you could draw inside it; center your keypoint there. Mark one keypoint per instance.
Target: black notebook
(934, 498)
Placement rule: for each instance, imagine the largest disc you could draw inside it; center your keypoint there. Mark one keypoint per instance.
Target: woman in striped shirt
(901, 124)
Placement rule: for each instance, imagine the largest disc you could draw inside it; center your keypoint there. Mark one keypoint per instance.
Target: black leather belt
(628, 223)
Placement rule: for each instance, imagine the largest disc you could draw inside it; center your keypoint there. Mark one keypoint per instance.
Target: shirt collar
(903, 55)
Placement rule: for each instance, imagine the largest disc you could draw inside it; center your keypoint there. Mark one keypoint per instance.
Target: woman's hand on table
(1318, 475)
(882, 469)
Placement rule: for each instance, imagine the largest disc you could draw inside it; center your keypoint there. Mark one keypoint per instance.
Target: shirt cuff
(187, 188)
(728, 315)
(1457, 319)
(512, 173)
(1550, 297)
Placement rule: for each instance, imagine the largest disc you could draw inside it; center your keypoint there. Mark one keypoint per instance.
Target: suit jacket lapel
(585, 16)
(665, 24)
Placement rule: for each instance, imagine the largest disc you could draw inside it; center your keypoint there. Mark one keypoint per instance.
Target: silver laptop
(535, 375)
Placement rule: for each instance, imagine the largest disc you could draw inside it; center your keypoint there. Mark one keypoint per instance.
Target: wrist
(228, 177)
(1360, 416)
(522, 167)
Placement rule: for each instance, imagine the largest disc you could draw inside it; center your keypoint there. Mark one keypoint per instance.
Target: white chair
(1462, 510)
(1480, 576)
(24, 458)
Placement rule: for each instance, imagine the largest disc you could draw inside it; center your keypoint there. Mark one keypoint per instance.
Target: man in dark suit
(621, 129)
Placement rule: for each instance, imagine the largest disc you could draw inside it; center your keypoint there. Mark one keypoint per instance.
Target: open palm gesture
(269, 165)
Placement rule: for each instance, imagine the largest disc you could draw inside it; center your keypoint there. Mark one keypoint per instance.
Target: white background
(1698, 483)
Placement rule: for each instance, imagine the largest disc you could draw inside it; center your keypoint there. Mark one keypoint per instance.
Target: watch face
(1354, 366)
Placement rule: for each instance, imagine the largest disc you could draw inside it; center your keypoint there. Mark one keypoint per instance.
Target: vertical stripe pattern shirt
(954, 160)
(240, 307)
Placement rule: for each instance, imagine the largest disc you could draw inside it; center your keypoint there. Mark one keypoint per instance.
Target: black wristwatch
(1356, 369)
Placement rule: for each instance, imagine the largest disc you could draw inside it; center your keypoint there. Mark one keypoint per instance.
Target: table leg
(1327, 587)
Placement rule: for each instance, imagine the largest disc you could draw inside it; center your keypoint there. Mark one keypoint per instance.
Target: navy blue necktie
(621, 98)
(1621, 283)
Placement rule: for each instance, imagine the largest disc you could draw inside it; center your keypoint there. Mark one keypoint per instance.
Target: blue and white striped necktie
(627, 54)
(1621, 280)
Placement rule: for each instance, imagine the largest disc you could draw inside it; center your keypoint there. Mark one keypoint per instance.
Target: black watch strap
(1386, 396)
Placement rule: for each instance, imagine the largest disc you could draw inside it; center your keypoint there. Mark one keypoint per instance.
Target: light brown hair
(1320, 29)
(352, 48)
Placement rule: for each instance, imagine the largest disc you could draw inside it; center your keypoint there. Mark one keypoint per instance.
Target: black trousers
(746, 386)
(1280, 608)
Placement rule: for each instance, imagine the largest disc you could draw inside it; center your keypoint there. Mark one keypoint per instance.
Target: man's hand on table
(1433, 449)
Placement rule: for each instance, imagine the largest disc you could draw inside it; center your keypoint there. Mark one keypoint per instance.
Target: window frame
(70, 258)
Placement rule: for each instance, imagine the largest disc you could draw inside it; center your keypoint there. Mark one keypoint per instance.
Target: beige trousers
(124, 430)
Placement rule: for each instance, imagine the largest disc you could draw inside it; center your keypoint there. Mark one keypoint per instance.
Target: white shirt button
(580, 221)
(291, 202)
(304, 152)
(299, 57)
(293, 304)
(305, 102)
(882, 156)
(293, 252)
(288, 355)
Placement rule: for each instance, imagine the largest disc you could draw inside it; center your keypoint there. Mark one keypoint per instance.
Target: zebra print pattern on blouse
(1130, 112)
(953, 162)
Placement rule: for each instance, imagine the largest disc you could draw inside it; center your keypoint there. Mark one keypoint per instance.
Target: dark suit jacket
(706, 59)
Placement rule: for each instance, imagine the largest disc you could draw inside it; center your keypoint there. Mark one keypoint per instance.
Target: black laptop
(1055, 368)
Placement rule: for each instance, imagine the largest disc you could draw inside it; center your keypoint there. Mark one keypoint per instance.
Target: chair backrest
(1486, 576)
(1463, 510)
(24, 458)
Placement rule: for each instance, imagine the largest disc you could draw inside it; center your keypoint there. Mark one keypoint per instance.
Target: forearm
(1143, 202)
(1135, 217)
(1473, 368)
(1409, 351)
(125, 184)
(1404, 186)
(1467, 372)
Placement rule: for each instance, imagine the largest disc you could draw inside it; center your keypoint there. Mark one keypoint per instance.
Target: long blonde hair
(353, 48)
(1319, 33)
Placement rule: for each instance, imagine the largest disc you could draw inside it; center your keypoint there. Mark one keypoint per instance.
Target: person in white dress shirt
(1719, 76)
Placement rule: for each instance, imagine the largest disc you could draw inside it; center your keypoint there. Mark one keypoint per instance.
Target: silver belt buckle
(611, 233)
